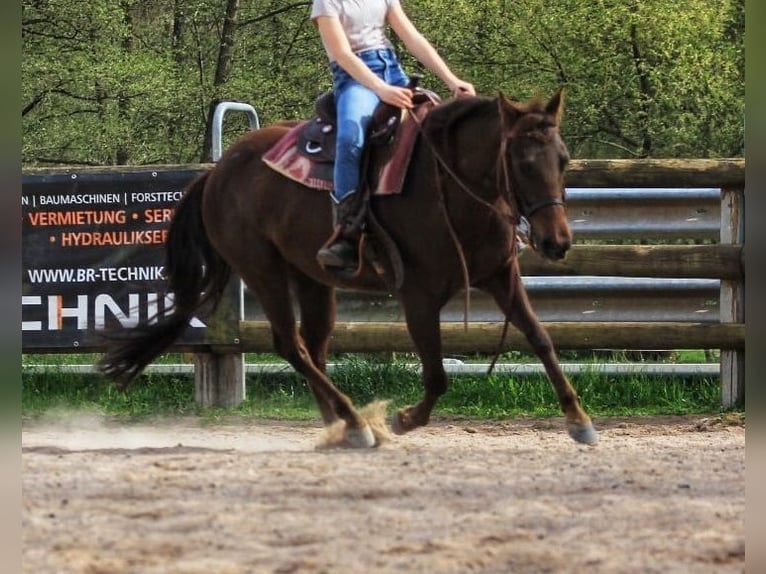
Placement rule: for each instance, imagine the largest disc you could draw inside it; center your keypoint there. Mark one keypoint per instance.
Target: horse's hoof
(360, 437)
(396, 424)
(584, 434)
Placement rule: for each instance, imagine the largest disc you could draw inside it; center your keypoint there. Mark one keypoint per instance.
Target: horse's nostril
(553, 249)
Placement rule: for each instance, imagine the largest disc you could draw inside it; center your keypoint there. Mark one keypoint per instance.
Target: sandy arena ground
(660, 495)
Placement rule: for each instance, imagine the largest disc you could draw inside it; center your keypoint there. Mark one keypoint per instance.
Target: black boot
(341, 250)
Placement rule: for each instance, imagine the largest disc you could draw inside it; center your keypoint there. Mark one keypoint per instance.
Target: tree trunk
(222, 71)
(645, 88)
(179, 29)
(122, 151)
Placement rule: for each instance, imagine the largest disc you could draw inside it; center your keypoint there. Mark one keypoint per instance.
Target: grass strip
(286, 396)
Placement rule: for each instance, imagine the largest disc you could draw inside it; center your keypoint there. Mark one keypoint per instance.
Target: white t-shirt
(364, 21)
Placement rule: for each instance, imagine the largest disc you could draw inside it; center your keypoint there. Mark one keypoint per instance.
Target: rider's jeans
(355, 105)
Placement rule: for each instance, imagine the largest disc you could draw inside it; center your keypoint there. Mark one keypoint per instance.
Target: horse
(479, 165)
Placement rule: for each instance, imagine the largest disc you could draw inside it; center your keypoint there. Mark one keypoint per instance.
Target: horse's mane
(442, 119)
(452, 111)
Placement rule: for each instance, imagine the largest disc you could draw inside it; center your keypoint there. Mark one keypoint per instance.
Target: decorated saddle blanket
(306, 153)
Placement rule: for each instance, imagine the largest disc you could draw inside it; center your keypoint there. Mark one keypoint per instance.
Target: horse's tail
(196, 275)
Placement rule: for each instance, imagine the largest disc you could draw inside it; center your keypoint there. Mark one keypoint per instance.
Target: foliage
(134, 81)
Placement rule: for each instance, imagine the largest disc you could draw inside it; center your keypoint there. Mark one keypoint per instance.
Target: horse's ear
(507, 109)
(555, 105)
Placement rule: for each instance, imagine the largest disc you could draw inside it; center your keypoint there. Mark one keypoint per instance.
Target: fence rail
(554, 299)
(451, 365)
(626, 296)
(484, 337)
(642, 297)
(640, 214)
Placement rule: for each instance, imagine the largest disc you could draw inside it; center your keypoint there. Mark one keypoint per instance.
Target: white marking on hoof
(584, 434)
(361, 437)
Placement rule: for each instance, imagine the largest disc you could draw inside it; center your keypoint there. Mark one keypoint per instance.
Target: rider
(366, 71)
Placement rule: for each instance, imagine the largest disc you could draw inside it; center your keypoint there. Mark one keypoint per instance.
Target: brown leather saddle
(316, 138)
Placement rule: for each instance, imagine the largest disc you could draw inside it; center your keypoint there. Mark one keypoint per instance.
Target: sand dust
(460, 496)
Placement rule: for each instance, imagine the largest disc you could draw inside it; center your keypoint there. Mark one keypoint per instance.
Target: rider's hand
(399, 97)
(461, 88)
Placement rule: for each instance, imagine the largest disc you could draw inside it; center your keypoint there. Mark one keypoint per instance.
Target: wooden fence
(602, 296)
(722, 258)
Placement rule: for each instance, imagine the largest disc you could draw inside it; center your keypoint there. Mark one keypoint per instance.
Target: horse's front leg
(510, 294)
(423, 325)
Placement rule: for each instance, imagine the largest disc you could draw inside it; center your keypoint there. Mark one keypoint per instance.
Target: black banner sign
(92, 256)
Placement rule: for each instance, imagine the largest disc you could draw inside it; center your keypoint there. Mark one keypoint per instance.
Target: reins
(440, 162)
(455, 177)
(516, 203)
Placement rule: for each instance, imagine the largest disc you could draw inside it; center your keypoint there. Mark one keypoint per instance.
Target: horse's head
(534, 158)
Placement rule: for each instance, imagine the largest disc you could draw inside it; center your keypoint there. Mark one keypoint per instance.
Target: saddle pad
(285, 158)
(388, 164)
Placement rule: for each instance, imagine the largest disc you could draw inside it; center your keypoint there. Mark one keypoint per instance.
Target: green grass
(56, 359)
(286, 396)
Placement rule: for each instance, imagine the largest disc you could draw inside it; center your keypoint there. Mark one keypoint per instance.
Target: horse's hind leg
(270, 284)
(317, 308)
(510, 294)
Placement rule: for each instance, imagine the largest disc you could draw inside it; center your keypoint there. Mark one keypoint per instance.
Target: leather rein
(520, 210)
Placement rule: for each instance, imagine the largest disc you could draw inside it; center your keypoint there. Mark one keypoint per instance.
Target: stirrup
(339, 255)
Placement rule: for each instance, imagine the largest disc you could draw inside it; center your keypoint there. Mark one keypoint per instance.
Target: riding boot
(341, 252)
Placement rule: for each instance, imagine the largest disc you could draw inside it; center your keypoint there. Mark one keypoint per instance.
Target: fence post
(219, 378)
(732, 302)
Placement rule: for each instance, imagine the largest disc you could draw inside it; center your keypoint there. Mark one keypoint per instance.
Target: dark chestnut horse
(479, 164)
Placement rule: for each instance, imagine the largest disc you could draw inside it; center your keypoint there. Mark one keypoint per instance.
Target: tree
(98, 84)
(136, 81)
(643, 78)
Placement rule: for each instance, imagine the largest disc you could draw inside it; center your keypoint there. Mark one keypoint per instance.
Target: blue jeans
(355, 105)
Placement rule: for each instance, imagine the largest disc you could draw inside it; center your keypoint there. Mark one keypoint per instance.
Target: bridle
(510, 192)
(530, 211)
(524, 208)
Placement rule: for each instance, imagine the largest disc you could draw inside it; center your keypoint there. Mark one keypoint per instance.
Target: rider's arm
(422, 49)
(340, 50)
